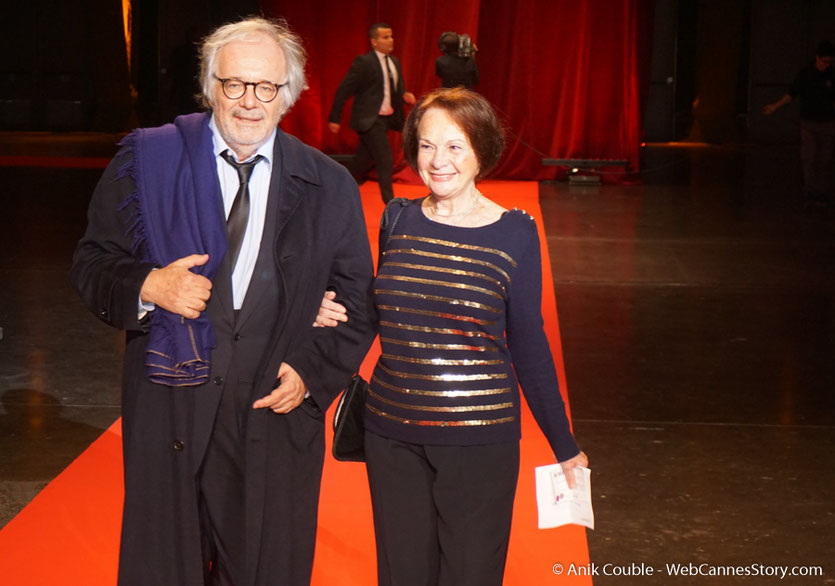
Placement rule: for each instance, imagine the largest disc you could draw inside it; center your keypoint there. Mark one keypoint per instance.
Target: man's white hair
(287, 40)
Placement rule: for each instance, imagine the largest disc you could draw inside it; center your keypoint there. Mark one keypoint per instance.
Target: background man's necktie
(239, 214)
(392, 87)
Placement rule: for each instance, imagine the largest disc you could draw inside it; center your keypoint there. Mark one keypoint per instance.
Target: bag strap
(401, 203)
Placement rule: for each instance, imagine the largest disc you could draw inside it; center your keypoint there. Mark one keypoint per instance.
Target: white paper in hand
(559, 505)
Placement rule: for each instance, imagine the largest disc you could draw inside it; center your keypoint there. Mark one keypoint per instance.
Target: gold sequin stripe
(445, 377)
(465, 423)
(451, 394)
(450, 300)
(452, 257)
(443, 361)
(460, 273)
(467, 347)
(465, 333)
(450, 244)
(438, 409)
(464, 286)
(438, 314)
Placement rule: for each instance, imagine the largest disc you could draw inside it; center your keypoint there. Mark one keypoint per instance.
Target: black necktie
(239, 214)
(392, 87)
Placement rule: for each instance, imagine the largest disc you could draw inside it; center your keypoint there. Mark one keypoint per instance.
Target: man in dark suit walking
(210, 242)
(375, 80)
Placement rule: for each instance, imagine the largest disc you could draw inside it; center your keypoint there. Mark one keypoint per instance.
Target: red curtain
(567, 76)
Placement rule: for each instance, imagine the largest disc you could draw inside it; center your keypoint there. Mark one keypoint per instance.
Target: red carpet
(69, 533)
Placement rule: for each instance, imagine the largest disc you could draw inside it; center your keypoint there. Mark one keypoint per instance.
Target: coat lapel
(292, 176)
(283, 197)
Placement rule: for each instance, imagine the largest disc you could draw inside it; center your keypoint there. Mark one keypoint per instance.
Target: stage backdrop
(567, 76)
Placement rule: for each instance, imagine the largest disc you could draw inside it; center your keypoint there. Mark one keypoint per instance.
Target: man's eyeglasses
(234, 89)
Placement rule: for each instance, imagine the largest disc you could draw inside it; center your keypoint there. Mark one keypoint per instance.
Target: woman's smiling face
(446, 160)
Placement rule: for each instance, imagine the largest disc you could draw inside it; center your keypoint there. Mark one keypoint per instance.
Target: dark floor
(697, 314)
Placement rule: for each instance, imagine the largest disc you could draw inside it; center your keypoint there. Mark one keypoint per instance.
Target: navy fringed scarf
(178, 213)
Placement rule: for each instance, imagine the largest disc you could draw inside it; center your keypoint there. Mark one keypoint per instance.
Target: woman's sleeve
(531, 353)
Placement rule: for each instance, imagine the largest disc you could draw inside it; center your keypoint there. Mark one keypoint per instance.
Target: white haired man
(209, 242)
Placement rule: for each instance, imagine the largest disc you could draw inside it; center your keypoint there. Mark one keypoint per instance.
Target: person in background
(458, 294)
(375, 81)
(209, 242)
(457, 66)
(814, 86)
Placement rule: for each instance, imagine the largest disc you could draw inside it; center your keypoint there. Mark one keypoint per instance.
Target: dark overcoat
(314, 237)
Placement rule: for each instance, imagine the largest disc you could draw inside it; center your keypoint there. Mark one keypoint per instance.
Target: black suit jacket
(364, 81)
(314, 237)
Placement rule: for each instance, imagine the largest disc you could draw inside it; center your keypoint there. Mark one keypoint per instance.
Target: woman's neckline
(436, 223)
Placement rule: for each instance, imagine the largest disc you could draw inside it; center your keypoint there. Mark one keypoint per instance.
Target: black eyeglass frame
(254, 85)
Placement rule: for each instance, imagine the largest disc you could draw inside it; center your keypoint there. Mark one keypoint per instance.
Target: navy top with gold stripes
(460, 319)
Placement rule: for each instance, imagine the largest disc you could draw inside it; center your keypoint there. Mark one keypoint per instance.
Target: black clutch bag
(348, 431)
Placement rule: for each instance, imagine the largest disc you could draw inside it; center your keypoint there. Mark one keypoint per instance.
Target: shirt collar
(265, 150)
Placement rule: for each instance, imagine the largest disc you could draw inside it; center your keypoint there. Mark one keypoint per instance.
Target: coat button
(236, 337)
(218, 380)
(178, 445)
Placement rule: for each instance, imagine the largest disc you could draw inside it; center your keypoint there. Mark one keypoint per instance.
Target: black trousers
(222, 496)
(442, 514)
(374, 150)
(286, 547)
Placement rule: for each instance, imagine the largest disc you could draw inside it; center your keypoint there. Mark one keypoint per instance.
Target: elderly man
(210, 241)
(375, 81)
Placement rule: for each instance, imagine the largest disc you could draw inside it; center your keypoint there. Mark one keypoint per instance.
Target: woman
(458, 293)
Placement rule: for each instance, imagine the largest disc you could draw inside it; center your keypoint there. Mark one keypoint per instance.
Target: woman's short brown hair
(472, 112)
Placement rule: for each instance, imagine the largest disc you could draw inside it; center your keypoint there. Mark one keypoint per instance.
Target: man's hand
(288, 395)
(334, 127)
(769, 109)
(330, 312)
(177, 289)
(409, 98)
(568, 467)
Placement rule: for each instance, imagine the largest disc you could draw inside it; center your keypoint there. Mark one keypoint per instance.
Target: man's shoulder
(306, 161)
(172, 131)
(159, 147)
(365, 59)
(294, 147)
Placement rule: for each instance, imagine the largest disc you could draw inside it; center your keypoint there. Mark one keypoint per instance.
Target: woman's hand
(330, 312)
(568, 467)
